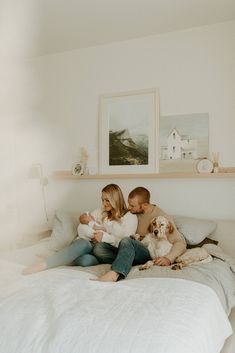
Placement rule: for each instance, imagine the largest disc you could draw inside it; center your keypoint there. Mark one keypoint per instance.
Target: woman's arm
(97, 214)
(126, 228)
(85, 231)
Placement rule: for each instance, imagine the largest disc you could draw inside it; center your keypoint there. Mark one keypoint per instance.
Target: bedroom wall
(194, 71)
(19, 93)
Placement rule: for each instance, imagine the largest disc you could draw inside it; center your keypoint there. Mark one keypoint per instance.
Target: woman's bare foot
(35, 268)
(110, 276)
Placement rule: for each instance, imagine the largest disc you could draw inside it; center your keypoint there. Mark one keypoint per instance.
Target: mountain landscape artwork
(128, 132)
(127, 149)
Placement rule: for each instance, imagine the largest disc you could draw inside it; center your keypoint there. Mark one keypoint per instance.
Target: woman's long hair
(117, 201)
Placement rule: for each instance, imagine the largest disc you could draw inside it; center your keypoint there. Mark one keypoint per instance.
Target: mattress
(62, 310)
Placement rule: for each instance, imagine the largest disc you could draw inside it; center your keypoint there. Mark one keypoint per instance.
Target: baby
(88, 226)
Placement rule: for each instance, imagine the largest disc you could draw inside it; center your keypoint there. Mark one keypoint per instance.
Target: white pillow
(193, 229)
(64, 230)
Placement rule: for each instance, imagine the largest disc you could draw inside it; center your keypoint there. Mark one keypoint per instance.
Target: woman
(116, 219)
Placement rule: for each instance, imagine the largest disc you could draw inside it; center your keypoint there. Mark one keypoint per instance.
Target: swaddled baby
(88, 226)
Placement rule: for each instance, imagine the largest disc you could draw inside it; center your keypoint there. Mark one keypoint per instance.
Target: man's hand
(97, 237)
(162, 261)
(136, 237)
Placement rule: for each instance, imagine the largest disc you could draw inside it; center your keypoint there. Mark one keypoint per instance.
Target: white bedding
(61, 310)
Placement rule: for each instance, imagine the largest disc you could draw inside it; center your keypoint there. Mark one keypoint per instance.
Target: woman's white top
(115, 231)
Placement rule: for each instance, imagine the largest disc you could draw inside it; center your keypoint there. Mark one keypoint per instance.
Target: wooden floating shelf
(64, 174)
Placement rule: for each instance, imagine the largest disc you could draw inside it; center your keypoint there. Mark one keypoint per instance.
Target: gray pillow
(64, 230)
(193, 229)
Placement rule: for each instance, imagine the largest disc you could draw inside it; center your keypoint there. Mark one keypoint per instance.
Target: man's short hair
(142, 194)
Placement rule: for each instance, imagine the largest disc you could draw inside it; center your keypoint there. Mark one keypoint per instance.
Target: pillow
(205, 241)
(64, 230)
(193, 229)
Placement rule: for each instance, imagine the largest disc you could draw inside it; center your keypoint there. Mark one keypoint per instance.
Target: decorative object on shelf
(128, 130)
(215, 157)
(205, 165)
(84, 159)
(81, 167)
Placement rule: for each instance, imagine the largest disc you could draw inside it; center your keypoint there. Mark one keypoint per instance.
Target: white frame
(149, 99)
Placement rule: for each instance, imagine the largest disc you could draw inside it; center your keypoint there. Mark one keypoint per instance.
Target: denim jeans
(79, 253)
(130, 252)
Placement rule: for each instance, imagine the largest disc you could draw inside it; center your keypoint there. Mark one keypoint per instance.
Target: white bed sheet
(62, 311)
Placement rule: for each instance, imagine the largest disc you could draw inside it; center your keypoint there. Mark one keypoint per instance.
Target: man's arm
(178, 248)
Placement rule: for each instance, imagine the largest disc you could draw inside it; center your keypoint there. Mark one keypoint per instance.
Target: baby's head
(85, 218)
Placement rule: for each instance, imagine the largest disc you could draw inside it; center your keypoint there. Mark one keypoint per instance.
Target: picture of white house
(183, 140)
(179, 147)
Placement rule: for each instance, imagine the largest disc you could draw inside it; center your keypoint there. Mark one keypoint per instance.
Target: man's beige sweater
(176, 238)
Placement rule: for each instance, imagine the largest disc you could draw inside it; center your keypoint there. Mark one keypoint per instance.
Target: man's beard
(138, 212)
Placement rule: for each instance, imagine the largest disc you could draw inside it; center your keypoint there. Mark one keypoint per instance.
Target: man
(132, 252)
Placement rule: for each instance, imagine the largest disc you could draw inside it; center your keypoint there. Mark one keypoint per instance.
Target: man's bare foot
(110, 276)
(35, 268)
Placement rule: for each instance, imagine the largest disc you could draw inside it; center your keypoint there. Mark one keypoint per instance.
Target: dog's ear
(151, 225)
(171, 228)
(150, 228)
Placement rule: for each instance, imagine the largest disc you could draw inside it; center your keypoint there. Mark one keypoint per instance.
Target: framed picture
(78, 169)
(128, 132)
(184, 141)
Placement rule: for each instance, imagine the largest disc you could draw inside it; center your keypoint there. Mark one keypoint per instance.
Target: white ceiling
(71, 24)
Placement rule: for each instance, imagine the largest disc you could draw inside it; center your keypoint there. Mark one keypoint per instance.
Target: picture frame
(78, 169)
(184, 141)
(128, 132)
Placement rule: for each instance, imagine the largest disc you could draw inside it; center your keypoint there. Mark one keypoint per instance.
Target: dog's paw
(177, 266)
(143, 267)
(146, 266)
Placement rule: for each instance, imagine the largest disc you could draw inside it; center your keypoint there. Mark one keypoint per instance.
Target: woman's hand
(97, 237)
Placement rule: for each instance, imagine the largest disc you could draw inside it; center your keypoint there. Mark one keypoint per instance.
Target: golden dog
(158, 245)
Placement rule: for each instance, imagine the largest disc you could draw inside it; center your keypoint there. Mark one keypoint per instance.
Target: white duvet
(61, 310)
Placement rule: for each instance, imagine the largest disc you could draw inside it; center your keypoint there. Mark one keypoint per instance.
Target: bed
(158, 310)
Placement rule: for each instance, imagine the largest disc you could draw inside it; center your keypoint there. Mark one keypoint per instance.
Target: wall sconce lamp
(36, 172)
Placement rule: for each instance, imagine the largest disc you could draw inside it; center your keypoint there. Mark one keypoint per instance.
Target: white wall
(19, 198)
(195, 72)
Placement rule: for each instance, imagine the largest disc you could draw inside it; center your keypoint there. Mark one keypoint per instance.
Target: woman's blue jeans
(130, 252)
(79, 253)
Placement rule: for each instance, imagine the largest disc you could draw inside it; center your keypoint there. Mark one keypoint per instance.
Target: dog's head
(160, 227)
